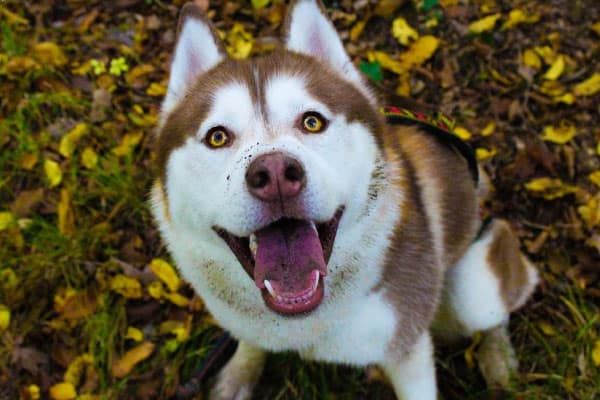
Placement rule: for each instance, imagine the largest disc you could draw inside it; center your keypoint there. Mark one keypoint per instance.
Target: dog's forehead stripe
(232, 105)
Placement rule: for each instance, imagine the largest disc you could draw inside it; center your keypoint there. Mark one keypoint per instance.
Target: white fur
(413, 376)
(474, 291)
(313, 34)
(196, 52)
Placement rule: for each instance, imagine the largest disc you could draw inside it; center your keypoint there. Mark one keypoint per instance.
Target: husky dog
(307, 223)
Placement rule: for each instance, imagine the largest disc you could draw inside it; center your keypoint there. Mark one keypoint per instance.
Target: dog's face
(268, 159)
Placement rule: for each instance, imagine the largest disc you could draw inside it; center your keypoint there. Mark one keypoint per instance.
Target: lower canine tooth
(270, 288)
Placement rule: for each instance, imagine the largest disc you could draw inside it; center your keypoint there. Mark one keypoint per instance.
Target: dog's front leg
(238, 377)
(413, 374)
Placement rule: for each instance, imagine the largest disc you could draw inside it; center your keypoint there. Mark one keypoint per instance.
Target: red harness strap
(439, 125)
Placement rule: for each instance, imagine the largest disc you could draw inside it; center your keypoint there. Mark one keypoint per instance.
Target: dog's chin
(287, 260)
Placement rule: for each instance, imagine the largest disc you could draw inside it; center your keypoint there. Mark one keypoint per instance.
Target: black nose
(275, 176)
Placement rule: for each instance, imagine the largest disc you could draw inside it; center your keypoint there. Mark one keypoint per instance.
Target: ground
(90, 305)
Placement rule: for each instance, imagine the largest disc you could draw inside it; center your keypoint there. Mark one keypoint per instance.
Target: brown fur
(508, 264)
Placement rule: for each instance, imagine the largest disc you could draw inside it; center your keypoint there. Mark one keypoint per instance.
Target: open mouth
(287, 260)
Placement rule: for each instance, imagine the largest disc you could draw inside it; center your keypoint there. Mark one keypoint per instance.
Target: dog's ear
(198, 49)
(309, 31)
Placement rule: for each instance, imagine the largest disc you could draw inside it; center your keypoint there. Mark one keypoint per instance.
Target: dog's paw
(496, 358)
(232, 386)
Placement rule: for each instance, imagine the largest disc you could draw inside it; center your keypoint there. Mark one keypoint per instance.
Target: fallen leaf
(4, 317)
(125, 365)
(517, 16)
(21, 64)
(49, 53)
(118, 66)
(420, 51)
(63, 391)
(594, 177)
(462, 133)
(589, 87)
(180, 329)
(386, 8)
(357, 30)
(483, 154)
(560, 134)
(8, 278)
(12, 18)
(53, 172)
(25, 201)
(156, 89)
(29, 160)
(596, 27)
(556, 69)
(166, 273)
(7, 219)
(134, 334)
(126, 286)
(258, 4)
(66, 218)
(590, 212)
(403, 32)
(76, 369)
(489, 129)
(133, 76)
(484, 24)
(531, 59)
(31, 392)
(546, 53)
(69, 141)
(596, 353)
(156, 290)
(547, 328)
(89, 158)
(76, 304)
(549, 188)
(128, 142)
(177, 299)
(239, 41)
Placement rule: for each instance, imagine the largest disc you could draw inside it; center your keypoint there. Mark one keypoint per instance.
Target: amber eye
(313, 122)
(217, 137)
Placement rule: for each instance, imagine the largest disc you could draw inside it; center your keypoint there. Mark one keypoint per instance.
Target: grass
(112, 232)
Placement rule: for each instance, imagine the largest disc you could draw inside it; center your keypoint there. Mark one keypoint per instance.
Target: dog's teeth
(312, 224)
(317, 275)
(253, 245)
(270, 289)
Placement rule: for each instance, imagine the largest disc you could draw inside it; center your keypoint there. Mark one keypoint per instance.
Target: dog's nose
(275, 176)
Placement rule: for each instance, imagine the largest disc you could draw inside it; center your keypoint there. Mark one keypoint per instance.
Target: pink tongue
(288, 251)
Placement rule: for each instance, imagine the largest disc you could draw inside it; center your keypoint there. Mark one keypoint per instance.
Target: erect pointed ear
(198, 49)
(309, 31)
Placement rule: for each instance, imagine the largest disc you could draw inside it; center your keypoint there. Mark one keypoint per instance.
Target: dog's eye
(217, 137)
(313, 122)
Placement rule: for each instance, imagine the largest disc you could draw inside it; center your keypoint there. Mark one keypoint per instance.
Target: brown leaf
(26, 201)
(29, 359)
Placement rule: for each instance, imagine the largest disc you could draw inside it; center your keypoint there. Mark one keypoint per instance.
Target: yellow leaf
(156, 290)
(560, 134)
(596, 353)
(53, 172)
(126, 286)
(357, 29)
(403, 32)
(31, 392)
(180, 329)
(547, 329)
(484, 154)
(177, 299)
(166, 273)
(462, 133)
(137, 72)
(469, 353)
(63, 391)
(239, 41)
(29, 160)
(21, 64)
(4, 317)
(556, 69)
(7, 219)
(420, 51)
(69, 141)
(588, 87)
(596, 28)
(129, 141)
(546, 52)
(549, 188)
(49, 53)
(598, 148)
(258, 4)
(76, 369)
(125, 365)
(386, 61)
(8, 278)
(156, 89)
(484, 24)
(590, 212)
(566, 98)
(594, 177)
(66, 218)
(531, 59)
(489, 129)
(134, 334)
(89, 158)
(517, 16)
(12, 18)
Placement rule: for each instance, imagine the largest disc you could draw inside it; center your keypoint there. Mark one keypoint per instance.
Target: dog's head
(268, 159)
